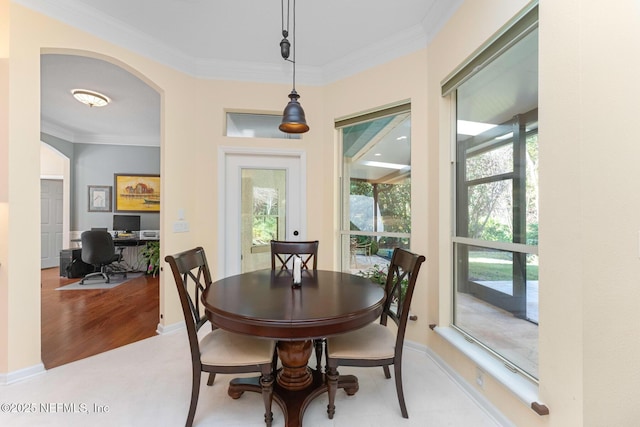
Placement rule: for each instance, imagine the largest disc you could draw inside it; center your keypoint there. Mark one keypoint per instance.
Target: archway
(123, 137)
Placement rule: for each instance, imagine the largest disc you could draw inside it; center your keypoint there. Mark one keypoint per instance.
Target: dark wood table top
(264, 303)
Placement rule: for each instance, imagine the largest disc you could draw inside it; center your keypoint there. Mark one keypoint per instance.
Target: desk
(264, 304)
(130, 247)
(123, 241)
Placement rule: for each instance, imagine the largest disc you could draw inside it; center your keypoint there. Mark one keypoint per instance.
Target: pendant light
(293, 119)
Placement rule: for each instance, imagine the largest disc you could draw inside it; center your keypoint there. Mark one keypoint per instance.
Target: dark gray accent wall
(96, 164)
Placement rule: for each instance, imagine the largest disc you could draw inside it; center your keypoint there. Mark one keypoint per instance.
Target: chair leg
(266, 384)
(212, 375)
(319, 343)
(274, 360)
(212, 378)
(332, 388)
(195, 391)
(387, 374)
(397, 370)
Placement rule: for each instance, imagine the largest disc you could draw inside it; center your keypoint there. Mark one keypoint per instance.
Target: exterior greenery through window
(496, 203)
(376, 189)
(265, 215)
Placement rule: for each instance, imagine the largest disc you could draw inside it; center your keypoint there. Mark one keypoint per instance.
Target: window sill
(523, 388)
(258, 249)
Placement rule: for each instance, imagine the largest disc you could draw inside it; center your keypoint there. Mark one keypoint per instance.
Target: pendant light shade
(293, 119)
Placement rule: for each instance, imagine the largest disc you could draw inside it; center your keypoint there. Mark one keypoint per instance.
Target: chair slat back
(191, 271)
(401, 281)
(282, 253)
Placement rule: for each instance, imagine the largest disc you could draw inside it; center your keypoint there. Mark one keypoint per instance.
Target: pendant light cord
(285, 44)
(293, 40)
(282, 16)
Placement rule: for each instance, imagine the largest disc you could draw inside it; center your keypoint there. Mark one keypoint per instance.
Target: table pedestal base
(293, 402)
(296, 384)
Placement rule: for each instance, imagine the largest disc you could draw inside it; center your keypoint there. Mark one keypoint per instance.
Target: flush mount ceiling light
(90, 98)
(293, 119)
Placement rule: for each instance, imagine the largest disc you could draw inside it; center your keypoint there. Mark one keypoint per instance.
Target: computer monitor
(126, 223)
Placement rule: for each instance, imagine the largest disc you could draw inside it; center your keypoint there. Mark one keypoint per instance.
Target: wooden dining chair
(376, 344)
(219, 351)
(282, 253)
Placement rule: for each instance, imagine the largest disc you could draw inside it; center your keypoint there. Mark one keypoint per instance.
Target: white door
(50, 222)
(247, 177)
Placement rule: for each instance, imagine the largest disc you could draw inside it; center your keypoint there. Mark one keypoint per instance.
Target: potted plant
(378, 274)
(151, 257)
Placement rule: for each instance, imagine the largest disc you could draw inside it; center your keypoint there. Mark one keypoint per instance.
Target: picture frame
(137, 192)
(99, 198)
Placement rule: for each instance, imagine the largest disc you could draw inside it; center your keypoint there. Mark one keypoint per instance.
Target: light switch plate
(180, 227)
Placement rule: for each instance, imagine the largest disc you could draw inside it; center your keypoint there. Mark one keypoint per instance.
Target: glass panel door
(263, 215)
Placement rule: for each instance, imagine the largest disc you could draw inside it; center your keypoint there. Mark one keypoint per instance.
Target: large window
(376, 188)
(496, 199)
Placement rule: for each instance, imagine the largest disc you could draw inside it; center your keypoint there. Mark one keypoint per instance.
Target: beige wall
(4, 182)
(589, 219)
(51, 162)
(213, 99)
(54, 165)
(589, 208)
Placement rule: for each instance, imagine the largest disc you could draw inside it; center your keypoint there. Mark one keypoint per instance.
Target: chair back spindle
(192, 276)
(282, 253)
(401, 282)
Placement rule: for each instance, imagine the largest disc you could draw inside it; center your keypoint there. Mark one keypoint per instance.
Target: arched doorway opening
(123, 137)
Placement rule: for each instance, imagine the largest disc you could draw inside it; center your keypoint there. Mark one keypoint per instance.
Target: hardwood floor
(79, 324)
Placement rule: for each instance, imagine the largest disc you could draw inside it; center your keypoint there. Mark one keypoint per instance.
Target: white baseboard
(168, 329)
(22, 374)
(477, 397)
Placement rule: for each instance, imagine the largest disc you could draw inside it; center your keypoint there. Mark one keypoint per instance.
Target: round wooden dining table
(267, 304)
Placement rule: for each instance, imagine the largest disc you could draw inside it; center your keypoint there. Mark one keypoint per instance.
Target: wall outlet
(479, 378)
(180, 227)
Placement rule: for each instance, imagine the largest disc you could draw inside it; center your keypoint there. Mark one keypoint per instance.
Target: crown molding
(84, 138)
(83, 17)
(56, 130)
(408, 41)
(258, 72)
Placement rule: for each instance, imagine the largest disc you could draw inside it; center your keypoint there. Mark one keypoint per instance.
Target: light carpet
(98, 283)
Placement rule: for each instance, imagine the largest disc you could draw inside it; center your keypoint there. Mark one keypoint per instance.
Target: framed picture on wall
(137, 193)
(99, 198)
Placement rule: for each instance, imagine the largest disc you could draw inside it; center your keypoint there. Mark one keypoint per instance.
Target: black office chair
(99, 250)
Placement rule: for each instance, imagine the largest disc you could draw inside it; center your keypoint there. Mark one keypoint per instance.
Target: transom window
(256, 125)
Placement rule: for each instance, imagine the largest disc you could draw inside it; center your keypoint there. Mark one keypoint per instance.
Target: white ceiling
(132, 117)
(236, 40)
